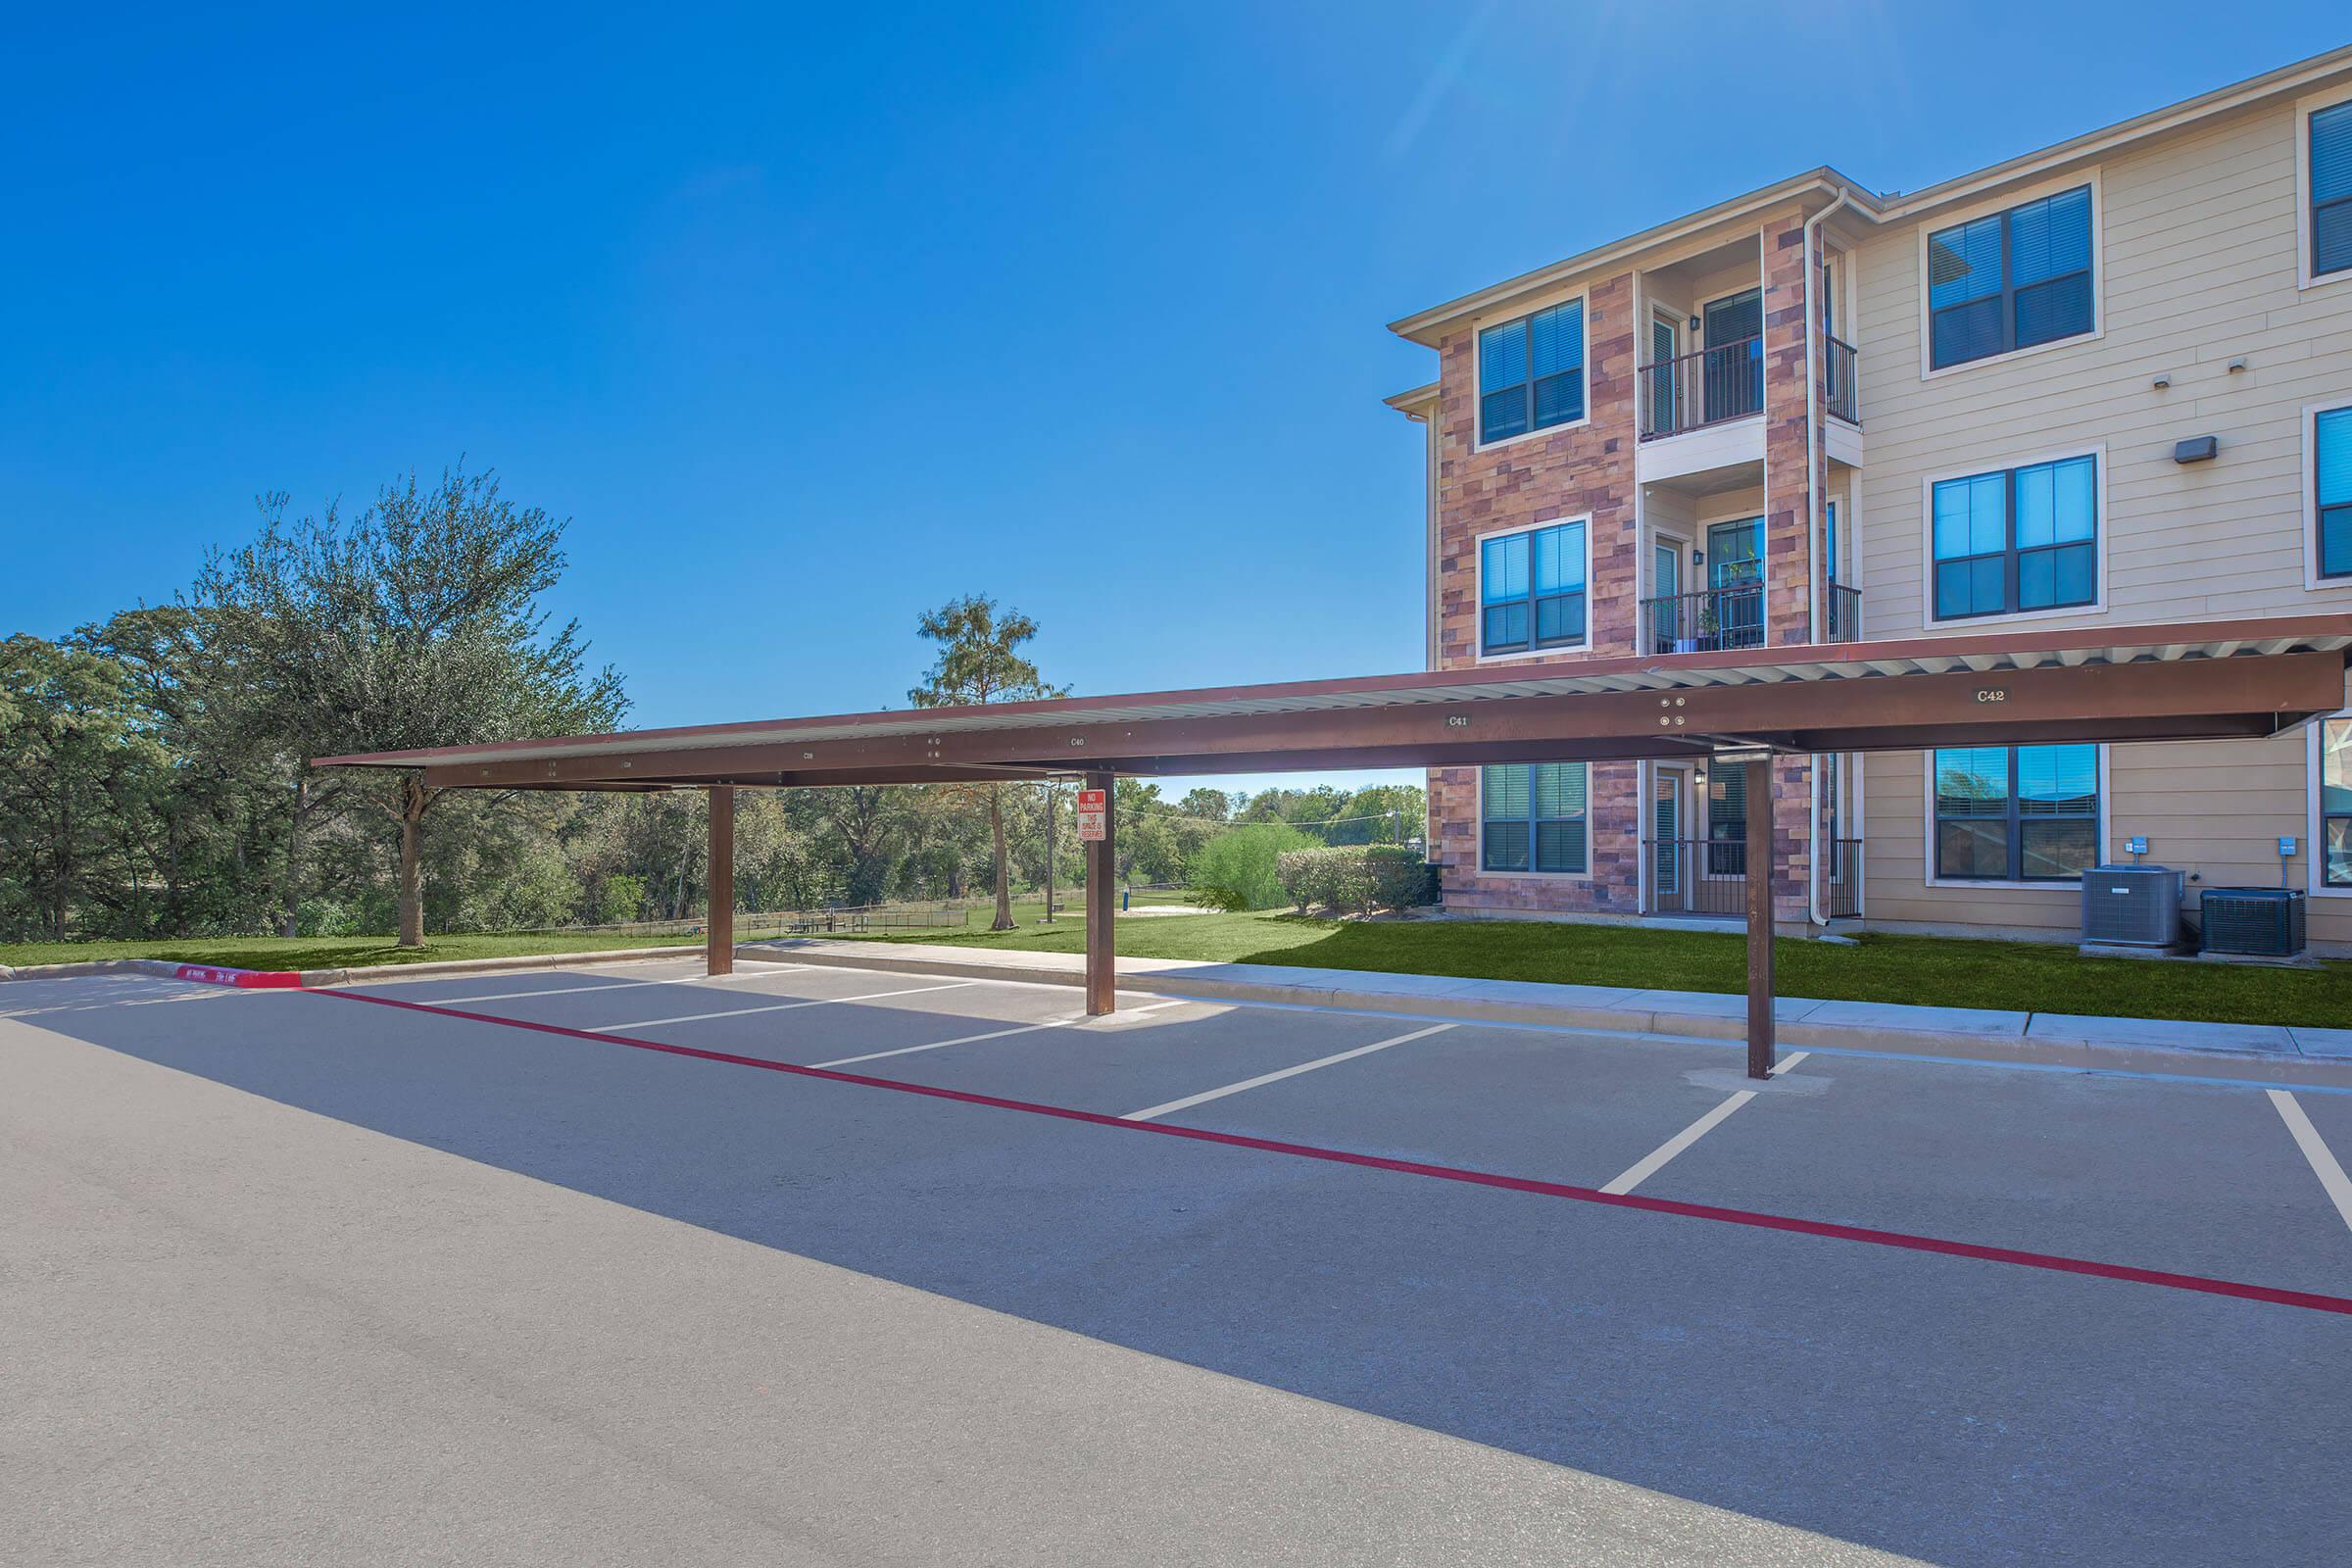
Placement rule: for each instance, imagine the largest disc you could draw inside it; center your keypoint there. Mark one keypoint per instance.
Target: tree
(979, 661)
(1206, 803)
(416, 623)
(79, 766)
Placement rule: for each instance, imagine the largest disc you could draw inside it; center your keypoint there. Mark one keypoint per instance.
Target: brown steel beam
(1101, 907)
(2182, 700)
(718, 919)
(1761, 1043)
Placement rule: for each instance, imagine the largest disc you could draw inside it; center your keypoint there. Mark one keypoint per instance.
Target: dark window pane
(2060, 847)
(2048, 311)
(1967, 333)
(1507, 627)
(1971, 849)
(2335, 541)
(1727, 802)
(1506, 846)
(1559, 789)
(2077, 576)
(1560, 399)
(1560, 619)
(2331, 238)
(1560, 846)
(1501, 413)
(2335, 853)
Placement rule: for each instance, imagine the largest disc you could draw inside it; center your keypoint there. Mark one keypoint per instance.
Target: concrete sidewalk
(2264, 1053)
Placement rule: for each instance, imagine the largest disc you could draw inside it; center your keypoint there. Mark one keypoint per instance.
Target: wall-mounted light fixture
(2196, 449)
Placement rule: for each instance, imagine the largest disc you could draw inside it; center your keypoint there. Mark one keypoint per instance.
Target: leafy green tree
(1206, 804)
(979, 661)
(80, 768)
(413, 623)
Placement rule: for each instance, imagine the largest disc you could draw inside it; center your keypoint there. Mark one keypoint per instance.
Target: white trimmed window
(1533, 818)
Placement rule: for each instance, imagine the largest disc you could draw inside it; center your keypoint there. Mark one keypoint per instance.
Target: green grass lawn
(323, 952)
(1934, 971)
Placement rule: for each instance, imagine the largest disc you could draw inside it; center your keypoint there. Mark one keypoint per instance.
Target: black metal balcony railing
(1705, 387)
(1706, 622)
(1842, 399)
(1843, 609)
(1709, 877)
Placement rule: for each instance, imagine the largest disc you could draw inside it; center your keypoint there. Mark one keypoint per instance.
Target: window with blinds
(2331, 154)
(2010, 281)
(1533, 818)
(1530, 373)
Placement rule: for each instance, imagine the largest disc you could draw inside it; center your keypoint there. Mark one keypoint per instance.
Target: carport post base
(1761, 1045)
(1101, 908)
(718, 920)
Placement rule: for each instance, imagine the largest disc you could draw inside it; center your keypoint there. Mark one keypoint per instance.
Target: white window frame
(1478, 588)
(1926, 536)
(2001, 204)
(1478, 423)
(1478, 865)
(1926, 834)
(2304, 109)
(2313, 582)
(2312, 878)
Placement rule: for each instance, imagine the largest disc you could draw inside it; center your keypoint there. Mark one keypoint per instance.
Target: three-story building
(2110, 382)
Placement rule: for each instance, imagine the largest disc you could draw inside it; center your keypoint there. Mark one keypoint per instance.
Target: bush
(1236, 870)
(1355, 879)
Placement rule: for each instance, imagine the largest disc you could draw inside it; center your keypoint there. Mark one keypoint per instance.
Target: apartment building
(2110, 382)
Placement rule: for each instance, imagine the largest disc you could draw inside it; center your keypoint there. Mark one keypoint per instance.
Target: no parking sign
(1094, 813)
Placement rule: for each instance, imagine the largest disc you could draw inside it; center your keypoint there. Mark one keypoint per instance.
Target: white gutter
(1813, 604)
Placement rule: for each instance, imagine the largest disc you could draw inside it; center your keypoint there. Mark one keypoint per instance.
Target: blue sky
(811, 319)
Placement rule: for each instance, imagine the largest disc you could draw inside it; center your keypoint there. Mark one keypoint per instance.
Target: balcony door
(1666, 374)
(1734, 326)
(1732, 615)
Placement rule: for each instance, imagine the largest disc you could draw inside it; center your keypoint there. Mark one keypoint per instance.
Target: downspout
(1813, 607)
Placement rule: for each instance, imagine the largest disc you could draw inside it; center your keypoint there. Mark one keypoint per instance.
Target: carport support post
(1757, 788)
(1101, 908)
(718, 920)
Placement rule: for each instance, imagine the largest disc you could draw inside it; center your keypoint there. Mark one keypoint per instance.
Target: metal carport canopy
(2196, 680)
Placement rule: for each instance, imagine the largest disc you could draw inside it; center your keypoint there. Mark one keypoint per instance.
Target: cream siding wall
(2197, 239)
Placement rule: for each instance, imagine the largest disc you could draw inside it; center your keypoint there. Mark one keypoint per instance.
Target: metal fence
(1709, 877)
(1844, 401)
(1705, 387)
(1706, 622)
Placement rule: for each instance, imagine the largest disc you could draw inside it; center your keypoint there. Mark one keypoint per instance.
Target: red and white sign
(1094, 815)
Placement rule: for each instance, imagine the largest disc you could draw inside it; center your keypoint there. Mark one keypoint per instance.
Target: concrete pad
(2169, 1033)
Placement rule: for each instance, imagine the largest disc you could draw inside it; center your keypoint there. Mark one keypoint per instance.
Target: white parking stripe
(780, 1006)
(1656, 1160)
(1206, 1096)
(573, 991)
(998, 1034)
(2333, 1179)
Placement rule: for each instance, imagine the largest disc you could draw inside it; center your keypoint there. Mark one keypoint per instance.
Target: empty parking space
(2191, 1177)
(2020, 1412)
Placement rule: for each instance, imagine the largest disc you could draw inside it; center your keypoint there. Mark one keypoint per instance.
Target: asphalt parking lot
(1951, 1312)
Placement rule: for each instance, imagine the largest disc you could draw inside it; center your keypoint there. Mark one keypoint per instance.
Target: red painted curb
(1904, 1239)
(242, 979)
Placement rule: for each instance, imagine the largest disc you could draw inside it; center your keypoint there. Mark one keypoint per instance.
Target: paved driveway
(1202, 1283)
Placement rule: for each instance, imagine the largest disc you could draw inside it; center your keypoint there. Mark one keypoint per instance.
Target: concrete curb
(1713, 1017)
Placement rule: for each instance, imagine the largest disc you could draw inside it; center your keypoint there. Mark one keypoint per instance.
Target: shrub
(1357, 879)
(1236, 869)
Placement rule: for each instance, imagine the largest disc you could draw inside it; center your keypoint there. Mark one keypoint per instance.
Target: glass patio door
(1734, 358)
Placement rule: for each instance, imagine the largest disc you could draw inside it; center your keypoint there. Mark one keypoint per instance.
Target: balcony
(1692, 391)
(1842, 373)
(1733, 616)
(1704, 622)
